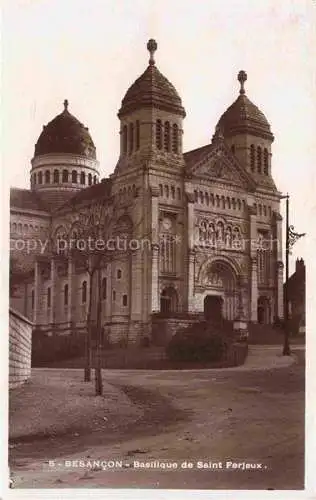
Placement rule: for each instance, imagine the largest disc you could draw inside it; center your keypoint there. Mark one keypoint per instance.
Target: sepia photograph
(158, 172)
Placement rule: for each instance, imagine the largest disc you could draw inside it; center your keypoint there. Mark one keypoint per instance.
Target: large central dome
(152, 88)
(65, 134)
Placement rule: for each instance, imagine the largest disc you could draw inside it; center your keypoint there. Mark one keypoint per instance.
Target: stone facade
(20, 348)
(203, 227)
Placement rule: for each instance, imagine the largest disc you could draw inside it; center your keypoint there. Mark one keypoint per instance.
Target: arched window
(137, 134)
(159, 134)
(47, 177)
(233, 148)
(131, 137)
(173, 192)
(259, 160)
(104, 288)
(74, 177)
(84, 292)
(207, 199)
(34, 179)
(95, 179)
(167, 136)
(168, 300)
(48, 297)
(66, 288)
(160, 190)
(119, 274)
(223, 202)
(89, 179)
(114, 295)
(252, 158)
(179, 193)
(65, 176)
(166, 191)
(40, 178)
(56, 177)
(82, 178)
(266, 161)
(175, 138)
(239, 204)
(124, 300)
(125, 139)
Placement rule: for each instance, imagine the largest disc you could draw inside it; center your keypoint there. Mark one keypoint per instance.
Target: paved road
(212, 419)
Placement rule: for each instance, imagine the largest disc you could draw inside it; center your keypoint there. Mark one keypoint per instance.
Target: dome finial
(152, 47)
(242, 78)
(66, 103)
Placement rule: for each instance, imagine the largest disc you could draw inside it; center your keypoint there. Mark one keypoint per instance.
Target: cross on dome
(152, 47)
(242, 78)
(66, 103)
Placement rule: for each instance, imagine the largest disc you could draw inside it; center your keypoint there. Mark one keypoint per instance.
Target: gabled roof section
(25, 199)
(217, 163)
(92, 193)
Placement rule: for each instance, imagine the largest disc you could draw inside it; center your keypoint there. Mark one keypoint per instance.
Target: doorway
(213, 307)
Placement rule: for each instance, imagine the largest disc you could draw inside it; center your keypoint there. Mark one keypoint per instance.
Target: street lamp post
(290, 239)
(286, 346)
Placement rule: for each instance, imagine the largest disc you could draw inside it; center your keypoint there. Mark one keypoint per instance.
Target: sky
(90, 52)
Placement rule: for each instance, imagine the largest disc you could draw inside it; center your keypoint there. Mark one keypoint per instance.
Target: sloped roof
(96, 191)
(26, 199)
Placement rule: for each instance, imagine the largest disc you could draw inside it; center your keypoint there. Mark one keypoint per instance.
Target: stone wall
(163, 328)
(20, 348)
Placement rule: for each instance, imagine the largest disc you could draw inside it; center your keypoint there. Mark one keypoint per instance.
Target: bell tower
(151, 117)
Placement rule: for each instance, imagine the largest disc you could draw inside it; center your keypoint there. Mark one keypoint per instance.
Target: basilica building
(203, 228)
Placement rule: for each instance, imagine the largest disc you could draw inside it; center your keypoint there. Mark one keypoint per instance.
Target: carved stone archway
(220, 279)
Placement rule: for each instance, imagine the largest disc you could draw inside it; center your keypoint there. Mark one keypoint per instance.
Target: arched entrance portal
(221, 299)
(168, 300)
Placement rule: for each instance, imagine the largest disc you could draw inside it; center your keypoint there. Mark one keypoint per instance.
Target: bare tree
(91, 224)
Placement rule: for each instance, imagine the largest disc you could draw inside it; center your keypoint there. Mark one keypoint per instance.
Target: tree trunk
(98, 372)
(87, 370)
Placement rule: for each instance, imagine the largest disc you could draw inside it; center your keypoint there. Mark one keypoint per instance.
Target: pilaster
(36, 290)
(253, 266)
(53, 290)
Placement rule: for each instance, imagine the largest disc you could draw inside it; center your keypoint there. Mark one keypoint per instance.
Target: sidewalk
(267, 357)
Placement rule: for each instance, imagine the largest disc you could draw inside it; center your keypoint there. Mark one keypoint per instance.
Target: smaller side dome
(65, 134)
(152, 88)
(243, 116)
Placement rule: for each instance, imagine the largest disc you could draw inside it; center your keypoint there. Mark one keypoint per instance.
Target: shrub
(198, 343)
(57, 347)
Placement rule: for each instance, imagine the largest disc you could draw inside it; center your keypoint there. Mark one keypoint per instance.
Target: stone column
(36, 291)
(155, 305)
(191, 252)
(53, 291)
(279, 310)
(191, 272)
(70, 289)
(253, 266)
